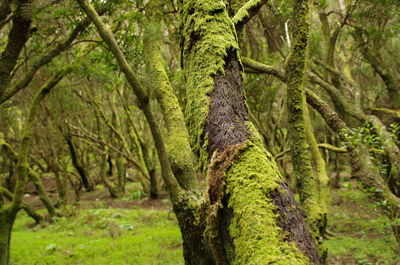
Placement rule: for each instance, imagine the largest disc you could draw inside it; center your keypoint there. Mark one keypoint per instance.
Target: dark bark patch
(225, 124)
(291, 220)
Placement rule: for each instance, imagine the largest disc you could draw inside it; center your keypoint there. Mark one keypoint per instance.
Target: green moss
(257, 237)
(243, 13)
(208, 35)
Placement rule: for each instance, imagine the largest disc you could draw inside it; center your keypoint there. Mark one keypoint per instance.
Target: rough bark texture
(227, 117)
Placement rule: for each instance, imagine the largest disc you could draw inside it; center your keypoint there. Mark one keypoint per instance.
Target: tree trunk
(86, 180)
(121, 174)
(5, 237)
(250, 209)
(106, 175)
(257, 232)
(308, 164)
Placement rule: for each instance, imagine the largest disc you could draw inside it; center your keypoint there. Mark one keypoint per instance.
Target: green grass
(362, 234)
(100, 236)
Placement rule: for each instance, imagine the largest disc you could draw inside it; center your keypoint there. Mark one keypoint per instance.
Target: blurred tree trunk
(85, 178)
(308, 164)
(361, 165)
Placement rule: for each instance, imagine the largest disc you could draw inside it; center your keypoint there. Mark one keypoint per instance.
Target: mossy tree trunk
(248, 202)
(308, 164)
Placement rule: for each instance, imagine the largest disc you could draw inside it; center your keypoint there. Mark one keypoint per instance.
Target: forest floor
(141, 232)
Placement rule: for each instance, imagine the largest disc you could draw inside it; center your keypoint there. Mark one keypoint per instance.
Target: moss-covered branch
(28, 209)
(263, 68)
(246, 12)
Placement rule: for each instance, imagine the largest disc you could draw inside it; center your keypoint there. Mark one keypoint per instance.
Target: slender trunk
(106, 175)
(185, 203)
(86, 180)
(181, 156)
(150, 165)
(121, 174)
(308, 164)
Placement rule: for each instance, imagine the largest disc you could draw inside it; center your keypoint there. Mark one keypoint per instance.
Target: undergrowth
(361, 233)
